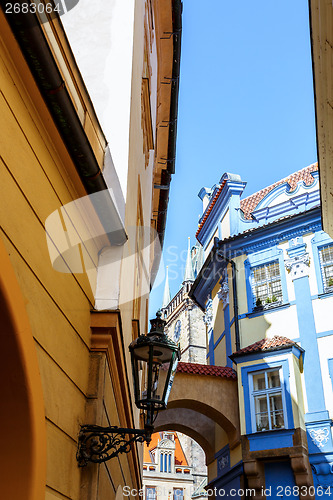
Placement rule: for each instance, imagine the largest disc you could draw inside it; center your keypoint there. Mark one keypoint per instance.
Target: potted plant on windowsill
(272, 302)
(329, 285)
(258, 306)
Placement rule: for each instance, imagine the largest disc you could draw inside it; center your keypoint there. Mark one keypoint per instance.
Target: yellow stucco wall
(37, 178)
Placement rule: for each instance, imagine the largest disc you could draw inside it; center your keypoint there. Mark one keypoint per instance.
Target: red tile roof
(275, 343)
(215, 371)
(210, 207)
(249, 204)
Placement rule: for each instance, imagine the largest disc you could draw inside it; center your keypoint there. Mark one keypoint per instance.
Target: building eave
(255, 238)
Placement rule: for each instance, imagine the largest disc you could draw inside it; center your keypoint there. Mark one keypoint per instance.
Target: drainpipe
(177, 9)
(235, 298)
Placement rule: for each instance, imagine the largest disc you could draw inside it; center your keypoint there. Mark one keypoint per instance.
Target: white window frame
(165, 461)
(178, 496)
(151, 488)
(326, 286)
(267, 391)
(270, 280)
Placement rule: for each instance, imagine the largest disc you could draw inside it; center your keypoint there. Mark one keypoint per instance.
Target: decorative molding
(319, 436)
(107, 340)
(282, 236)
(223, 462)
(166, 444)
(298, 266)
(208, 319)
(223, 293)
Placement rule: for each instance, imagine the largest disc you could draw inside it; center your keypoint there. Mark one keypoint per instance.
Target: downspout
(177, 8)
(38, 55)
(235, 298)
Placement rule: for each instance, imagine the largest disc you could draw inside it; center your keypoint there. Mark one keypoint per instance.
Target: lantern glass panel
(172, 376)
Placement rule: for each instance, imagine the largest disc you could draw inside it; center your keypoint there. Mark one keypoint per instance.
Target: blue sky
(245, 106)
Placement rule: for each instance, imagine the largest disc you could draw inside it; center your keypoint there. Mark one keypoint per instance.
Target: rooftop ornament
(154, 359)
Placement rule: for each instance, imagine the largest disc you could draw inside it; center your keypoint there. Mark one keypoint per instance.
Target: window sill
(265, 431)
(266, 310)
(327, 293)
(271, 440)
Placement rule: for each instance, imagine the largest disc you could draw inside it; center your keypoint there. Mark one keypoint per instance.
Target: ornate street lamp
(154, 360)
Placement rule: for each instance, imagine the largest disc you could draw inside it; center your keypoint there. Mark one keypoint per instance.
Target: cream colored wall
(220, 353)
(166, 485)
(300, 391)
(274, 323)
(235, 455)
(221, 438)
(108, 70)
(325, 347)
(225, 226)
(211, 243)
(323, 320)
(137, 174)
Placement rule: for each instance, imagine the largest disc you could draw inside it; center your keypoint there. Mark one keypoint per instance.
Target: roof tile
(267, 345)
(198, 369)
(249, 204)
(210, 208)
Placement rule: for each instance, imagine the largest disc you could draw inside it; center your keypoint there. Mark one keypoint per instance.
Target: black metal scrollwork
(99, 444)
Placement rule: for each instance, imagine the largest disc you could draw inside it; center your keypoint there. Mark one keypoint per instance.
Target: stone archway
(189, 422)
(22, 418)
(203, 405)
(202, 398)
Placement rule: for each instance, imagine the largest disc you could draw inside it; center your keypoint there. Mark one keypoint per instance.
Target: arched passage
(189, 422)
(22, 419)
(202, 398)
(213, 395)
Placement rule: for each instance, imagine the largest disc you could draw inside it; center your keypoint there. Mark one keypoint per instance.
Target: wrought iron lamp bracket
(99, 444)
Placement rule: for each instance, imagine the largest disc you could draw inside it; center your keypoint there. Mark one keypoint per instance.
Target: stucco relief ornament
(223, 293)
(319, 437)
(208, 319)
(298, 266)
(223, 462)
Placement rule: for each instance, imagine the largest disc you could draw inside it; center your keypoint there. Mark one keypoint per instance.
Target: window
(150, 493)
(266, 284)
(167, 435)
(326, 265)
(267, 400)
(165, 462)
(178, 494)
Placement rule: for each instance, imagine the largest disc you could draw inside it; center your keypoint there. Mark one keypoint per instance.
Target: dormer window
(165, 462)
(168, 435)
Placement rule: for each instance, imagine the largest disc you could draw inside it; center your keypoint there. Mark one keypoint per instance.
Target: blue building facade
(267, 287)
